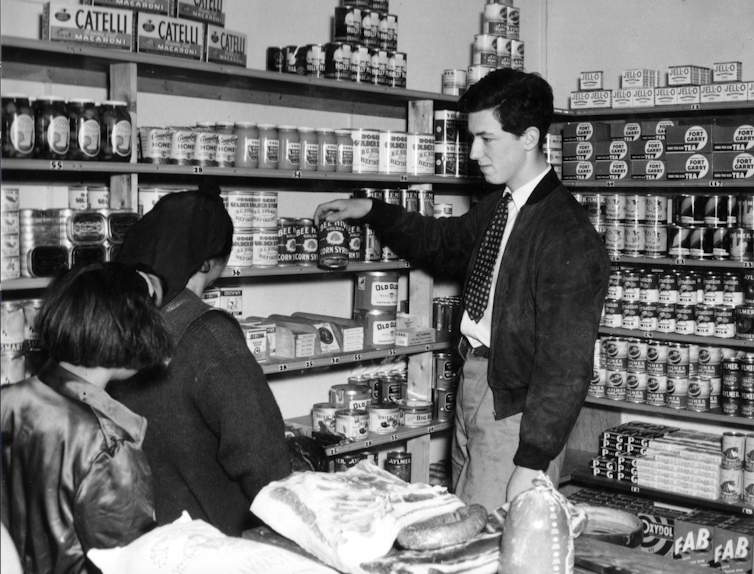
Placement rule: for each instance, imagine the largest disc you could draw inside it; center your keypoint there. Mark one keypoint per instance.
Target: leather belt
(465, 347)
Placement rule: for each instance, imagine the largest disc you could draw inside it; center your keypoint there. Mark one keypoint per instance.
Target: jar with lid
(344, 158)
(328, 150)
(85, 129)
(269, 146)
(226, 144)
(18, 126)
(247, 144)
(115, 131)
(52, 131)
(309, 149)
(290, 148)
(205, 152)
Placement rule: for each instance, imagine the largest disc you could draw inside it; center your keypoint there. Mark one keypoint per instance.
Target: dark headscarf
(178, 235)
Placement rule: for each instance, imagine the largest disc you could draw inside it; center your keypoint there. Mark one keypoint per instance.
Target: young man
(536, 275)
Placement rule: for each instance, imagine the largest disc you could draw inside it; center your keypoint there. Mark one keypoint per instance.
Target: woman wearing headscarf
(216, 435)
(74, 476)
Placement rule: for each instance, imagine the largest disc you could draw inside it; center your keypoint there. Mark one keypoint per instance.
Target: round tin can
(9, 200)
(355, 240)
(286, 241)
(476, 72)
(383, 418)
(205, 150)
(748, 487)
(725, 326)
(733, 449)
(347, 23)
(446, 158)
(379, 59)
(352, 423)
(265, 247)
(649, 287)
(733, 289)
(155, 144)
(444, 404)
(745, 210)
(705, 320)
(666, 320)
(415, 413)
(242, 252)
(717, 210)
(388, 29)
(678, 241)
(337, 61)
(687, 291)
(182, 146)
(731, 484)
(598, 383)
(657, 357)
(668, 288)
(306, 242)
(615, 208)
(323, 417)
(366, 150)
(637, 356)
(361, 63)
(390, 389)
(398, 463)
(649, 316)
(333, 245)
(749, 453)
(98, 197)
(484, 50)
(613, 316)
(453, 82)
(698, 394)
(379, 327)
(655, 240)
(294, 58)
(397, 68)
(712, 285)
(12, 367)
(745, 322)
(616, 348)
(701, 243)
(615, 241)
(656, 209)
(345, 461)
(656, 389)
(634, 239)
(410, 200)
(677, 395)
(615, 384)
(632, 286)
(227, 144)
(370, 28)
(636, 387)
(350, 396)
(615, 283)
(376, 290)
(12, 323)
(721, 243)
(636, 208)
(689, 209)
(392, 152)
(445, 370)
(275, 59)
(371, 248)
(748, 288)
(420, 154)
(741, 241)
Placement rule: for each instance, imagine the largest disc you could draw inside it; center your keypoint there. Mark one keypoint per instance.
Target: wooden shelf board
(681, 262)
(655, 335)
(708, 185)
(674, 110)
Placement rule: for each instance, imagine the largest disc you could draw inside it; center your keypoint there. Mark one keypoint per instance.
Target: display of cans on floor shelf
(705, 303)
(22, 356)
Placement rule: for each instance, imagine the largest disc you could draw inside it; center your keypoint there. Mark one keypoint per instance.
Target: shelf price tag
(392, 353)
(715, 183)
(404, 178)
(427, 347)
(393, 437)
(747, 264)
(680, 261)
(615, 258)
(235, 272)
(609, 183)
(747, 510)
(648, 334)
(367, 443)
(430, 429)
(635, 489)
(56, 165)
(297, 174)
(696, 106)
(335, 360)
(198, 170)
(283, 367)
(357, 357)
(332, 451)
(308, 364)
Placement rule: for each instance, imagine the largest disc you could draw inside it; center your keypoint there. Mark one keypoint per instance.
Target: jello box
(689, 75)
(711, 93)
(733, 165)
(89, 25)
(733, 546)
(592, 99)
(164, 7)
(157, 34)
(225, 47)
(623, 98)
(586, 131)
(648, 169)
(208, 11)
(689, 166)
(578, 170)
(666, 96)
(612, 169)
(591, 81)
(655, 129)
(689, 94)
(646, 149)
(628, 131)
(739, 137)
(735, 92)
(691, 138)
(694, 536)
(726, 72)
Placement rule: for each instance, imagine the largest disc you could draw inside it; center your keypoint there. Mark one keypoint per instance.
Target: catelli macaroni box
(89, 25)
(157, 34)
(164, 7)
(208, 11)
(225, 47)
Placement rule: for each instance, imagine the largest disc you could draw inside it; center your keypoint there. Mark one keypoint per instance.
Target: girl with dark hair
(74, 475)
(216, 435)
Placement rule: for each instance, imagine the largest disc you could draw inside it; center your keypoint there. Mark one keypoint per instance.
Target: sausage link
(444, 530)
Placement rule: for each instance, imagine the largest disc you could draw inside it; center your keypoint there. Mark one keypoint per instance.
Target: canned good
(366, 150)
(376, 290)
(286, 241)
(345, 461)
(155, 144)
(657, 385)
(701, 243)
(182, 146)
(355, 240)
(333, 245)
(649, 316)
(398, 463)
(444, 404)
(636, 209)
(347, 23)
(242, 252)
(415, 413)
(636, 387)
(656, 209)
(745, 322)
(733, 449)
(699, 389)
(379, 327)
(420, 154)
(350, 396)
(613, 316)
(731, 484)
(306, 242)
(733, 289)
(725, 325)
(666, 318)
(704, 320)
(689, 209)
(383, 418)
(740, 242)
(615, 384)
(678, 241)
(677, 393)
(323, 417)
(655, 240)
(265, 247)
(392, 152)
(352, 423)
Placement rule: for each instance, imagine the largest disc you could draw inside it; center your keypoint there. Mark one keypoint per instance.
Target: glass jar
(115, 131)
(269, 146)
(18, 126)
(247, 144)
(328, 150)
(85, 129)
(205, 152)
(344, 160)
(52, 131)
(227, 144)
(290, 148)
(309, 149)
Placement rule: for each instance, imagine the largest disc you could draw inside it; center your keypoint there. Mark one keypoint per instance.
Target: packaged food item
(99, 27)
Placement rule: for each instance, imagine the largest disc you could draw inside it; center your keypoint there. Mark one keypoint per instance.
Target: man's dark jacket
(547, 303)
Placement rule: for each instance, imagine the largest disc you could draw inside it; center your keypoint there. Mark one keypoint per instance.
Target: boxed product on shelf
(750, 90)
(612, 169)
(168, 36)
(689, 166)
(642, 97)
(689, 75)
(224, 46)
(667, 96)
(732, 165)
(623, 98)
(735, 137)
(348, 333)
(655, 129)
(164, 7)
(589, 81)
(293, 339)
(579, 151)
(648, 169)
(723, 72)
(92, 26)
(586, 131)
(689, 138)
(256, 341)
(689, 94)
(610, 150)
(210, 12)
(639, 78)
(625, 131)
(268, 327)
(578, 171)
(415, 336)
(646, 149)
(735, 92)
(733, 545)
(695, 536)
(711, 93)
(597, 99)
(659, 529)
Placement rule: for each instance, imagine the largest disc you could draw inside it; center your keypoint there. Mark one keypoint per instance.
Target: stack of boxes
(641, 88)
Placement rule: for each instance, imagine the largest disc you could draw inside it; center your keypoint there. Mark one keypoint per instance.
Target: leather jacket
(74, 475)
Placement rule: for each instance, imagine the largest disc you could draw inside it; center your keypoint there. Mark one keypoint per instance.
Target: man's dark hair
(101, 315)
(518, 100)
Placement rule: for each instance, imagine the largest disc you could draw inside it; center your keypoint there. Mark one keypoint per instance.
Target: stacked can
(393, 152)
(454, 82)
(376, 304)
(712, 227)
(733, 448)
(255, 228)
(446, 314)
(445, 385)
(10, 265)
(616, 359)
(22, 356)
(451, 143)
